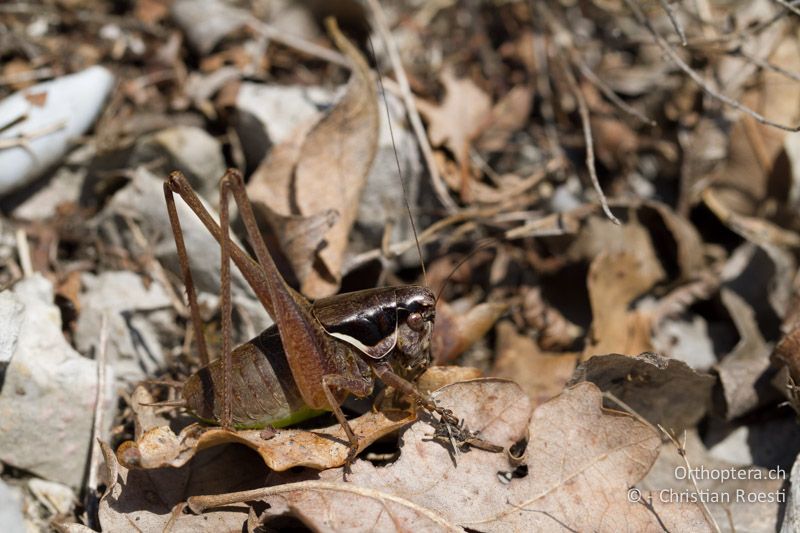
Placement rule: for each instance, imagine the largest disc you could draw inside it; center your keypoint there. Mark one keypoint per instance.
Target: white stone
(132, 310)
(11, 520)
(71, 105)
(48, 395)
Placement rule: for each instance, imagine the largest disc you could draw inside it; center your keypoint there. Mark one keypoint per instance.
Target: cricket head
(416, 311)
(391, 324)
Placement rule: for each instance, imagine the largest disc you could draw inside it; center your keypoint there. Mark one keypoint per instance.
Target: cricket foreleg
(357, 386)
(387, 375)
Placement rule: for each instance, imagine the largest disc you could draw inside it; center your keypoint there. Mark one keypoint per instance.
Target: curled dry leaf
(542, 375)
(280, 449)
(751, 481)
(508, 115)
(741, 371)
(688, 253)
(459, 118)
(553, 329)
(436, 377)
(579, 456)
(756, 230)
(301, 237)
(154, 500)
(616, 280)
(787, 353)
(454, 333)
(324, 168)
(662, 390)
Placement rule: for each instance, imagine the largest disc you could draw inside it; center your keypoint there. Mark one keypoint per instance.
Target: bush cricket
(317, 353)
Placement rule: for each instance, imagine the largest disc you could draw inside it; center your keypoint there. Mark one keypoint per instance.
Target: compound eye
(416, 322)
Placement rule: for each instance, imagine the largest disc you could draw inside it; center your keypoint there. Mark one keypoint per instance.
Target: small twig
(23, 139)
(92, 497)
(439, 186)
(158, 271)
(298, 43)
(24, 251)
(689, 71)
(766, 65)
(681, 448)
(673, 20)
(200, 503)
(542, 76)
(790, 6)
(426, 235)
(27, 75)
(609, 93)
(583, 111)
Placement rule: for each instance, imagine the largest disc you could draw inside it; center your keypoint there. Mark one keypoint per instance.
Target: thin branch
(609, 93)
(681, 448)
(766, 65)
(583, 110)
(92, 497)
(24, 251)
(790, 6)
(27, 75)
(298, 43)
(408, 99)
(689, 71)
(673, 20)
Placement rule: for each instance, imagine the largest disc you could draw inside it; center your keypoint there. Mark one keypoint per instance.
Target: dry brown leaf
(459, 118)
(301, 237)
(508, 115)
(553, 329)
(615, 280)
(737, 513)
(280, 449)
(742, 370)
(272, 182)
(542, 375)
(324, 168)
(454, 332)
(688, 249)
(143, 500)
(752, 169)
(662, 390)
(436, 377)
(581, 462)
(756, 230)
(787, 353)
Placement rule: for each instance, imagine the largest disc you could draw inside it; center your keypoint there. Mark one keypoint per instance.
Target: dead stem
(681, 449)
(583, 110)
(673, 20)
(408, 99)
(92, 498)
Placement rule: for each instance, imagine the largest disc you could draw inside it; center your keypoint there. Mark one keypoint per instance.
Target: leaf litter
(534, 118)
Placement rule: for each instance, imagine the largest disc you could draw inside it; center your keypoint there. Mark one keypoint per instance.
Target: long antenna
(397, 160)
(480, 245)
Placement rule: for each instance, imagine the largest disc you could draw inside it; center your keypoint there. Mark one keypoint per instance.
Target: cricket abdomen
(264, 391)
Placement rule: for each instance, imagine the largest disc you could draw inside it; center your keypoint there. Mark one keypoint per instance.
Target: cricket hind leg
(356, 385)
(186, 271)
(177, 183)
(225, 298)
